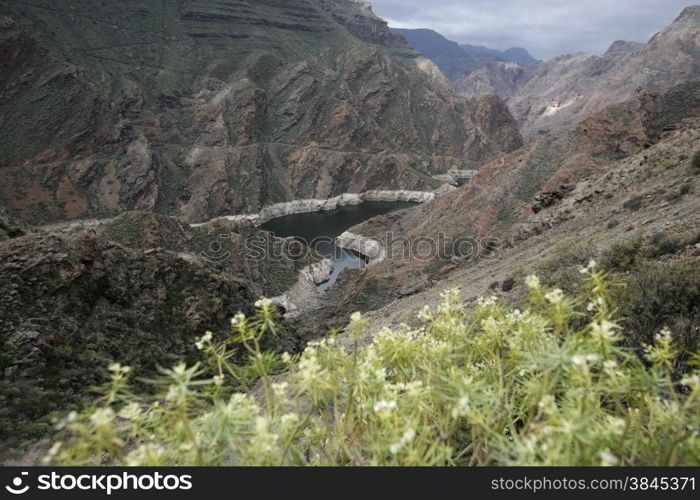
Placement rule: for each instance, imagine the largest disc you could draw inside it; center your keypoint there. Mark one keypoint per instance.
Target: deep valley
(166, 171)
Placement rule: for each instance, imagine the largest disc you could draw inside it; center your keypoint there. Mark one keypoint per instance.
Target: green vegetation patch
(484, 386)
(651, 289)
(695, 162)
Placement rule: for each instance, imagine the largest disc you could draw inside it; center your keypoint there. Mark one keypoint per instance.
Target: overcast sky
(546, 28)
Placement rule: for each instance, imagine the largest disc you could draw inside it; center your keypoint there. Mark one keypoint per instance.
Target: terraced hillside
(208, 108)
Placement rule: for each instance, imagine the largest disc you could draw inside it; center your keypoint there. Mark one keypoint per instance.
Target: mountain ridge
(514, 54)
(564, 91)
(455, 59)
(560, 92)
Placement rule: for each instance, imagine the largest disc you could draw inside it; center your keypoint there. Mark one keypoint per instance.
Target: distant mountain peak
(691, 11)
(519, 55)
(514, 54)
(430, 43)
(456, 60)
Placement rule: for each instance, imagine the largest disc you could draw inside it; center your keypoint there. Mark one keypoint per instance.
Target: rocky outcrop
(227, 109)
(304, 295)
(359, 19)
(320, 272)
(11, 227)
(370, 248)
(548, 198)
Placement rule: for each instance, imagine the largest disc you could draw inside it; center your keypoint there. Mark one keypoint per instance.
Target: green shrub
(562, 268)
(629, 254)
(648, 294)
(662, 244)
(488, 386)
(634, 204)
(658, 295)
(669, 162)
(624, 255)
(695, 162)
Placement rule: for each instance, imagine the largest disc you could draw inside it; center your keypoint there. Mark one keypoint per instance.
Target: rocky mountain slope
(546, 96)
(494, 77)
(138, 289)
(558, 180)
(652, 197)
(563, 91)
(182, 112)
(206, 109)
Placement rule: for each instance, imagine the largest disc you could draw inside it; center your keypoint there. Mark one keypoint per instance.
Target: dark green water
(320, 229)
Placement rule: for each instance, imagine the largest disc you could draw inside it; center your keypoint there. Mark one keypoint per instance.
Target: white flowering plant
(486, 385)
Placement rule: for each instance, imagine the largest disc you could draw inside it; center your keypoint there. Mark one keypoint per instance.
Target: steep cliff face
(359, 19)
(500, 78)
(561, 92)
(209, 109)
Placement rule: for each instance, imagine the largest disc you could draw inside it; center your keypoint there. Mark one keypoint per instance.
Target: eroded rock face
(11, 227)
(359, 19)
(496, 77)
(229, 109)
(367, 247)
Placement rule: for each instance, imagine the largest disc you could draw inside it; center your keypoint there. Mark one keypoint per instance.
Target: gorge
(158, 158)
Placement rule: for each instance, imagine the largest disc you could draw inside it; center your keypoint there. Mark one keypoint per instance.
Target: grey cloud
(546, 28)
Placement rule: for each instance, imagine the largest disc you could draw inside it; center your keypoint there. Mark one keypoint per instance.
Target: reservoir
(320, 229)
